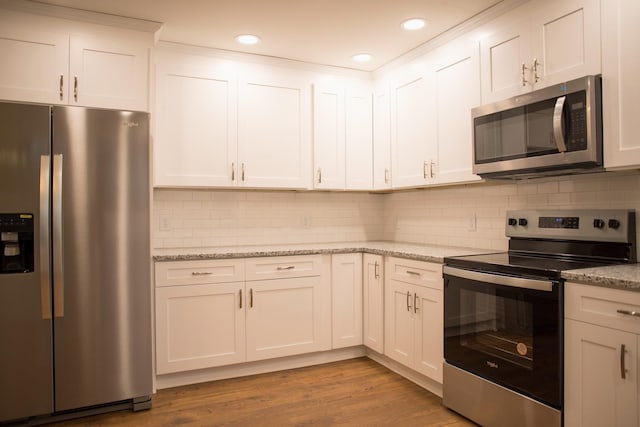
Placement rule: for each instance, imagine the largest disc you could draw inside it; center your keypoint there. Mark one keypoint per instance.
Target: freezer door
(26, 373)
(101, 256)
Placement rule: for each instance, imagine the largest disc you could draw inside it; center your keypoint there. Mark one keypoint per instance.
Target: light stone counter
(625, 277)
(428, 253)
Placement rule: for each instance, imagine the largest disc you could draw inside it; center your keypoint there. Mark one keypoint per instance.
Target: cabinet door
(595, 392)
(359, 140)
(411, 121)
(35, 65)
(373, 302)
(196, 122)
(287, 317)
(274, 139)
(328, 138)
(399, 322)
(108, 73)
(620, 88)
(503, 56)
(381, 139)
(566, 41)
(428, 305)
(457, 89)
(346, 299)
(199, 326)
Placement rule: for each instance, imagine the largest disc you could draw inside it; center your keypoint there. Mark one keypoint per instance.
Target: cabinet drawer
(602, 306)
(283, 267)
(419, 273)
(176, 273)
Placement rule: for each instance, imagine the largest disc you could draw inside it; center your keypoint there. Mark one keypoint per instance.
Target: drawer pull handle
(623, 369)
(413, 273)
(201, 273)
(289, 267)
(630, 313)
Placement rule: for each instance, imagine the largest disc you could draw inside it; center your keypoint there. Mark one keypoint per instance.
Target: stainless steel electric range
(503, 312)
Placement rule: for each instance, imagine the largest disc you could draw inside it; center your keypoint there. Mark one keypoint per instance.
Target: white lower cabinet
(413, 320)
(373, 302)
(346, 300)
(601, 357)
(221, 312)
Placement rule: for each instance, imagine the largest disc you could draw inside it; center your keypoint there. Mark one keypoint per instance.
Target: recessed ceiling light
(247, 39)
(414, 24)
(362, 57)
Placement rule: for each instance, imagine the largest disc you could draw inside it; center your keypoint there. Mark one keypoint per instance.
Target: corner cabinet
(413, 333)
(58, 68)
(346, 300)
(373, 301)
(543, 44)
(620, 88)
(602, 345)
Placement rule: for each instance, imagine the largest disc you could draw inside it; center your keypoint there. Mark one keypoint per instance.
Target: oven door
(505, 329)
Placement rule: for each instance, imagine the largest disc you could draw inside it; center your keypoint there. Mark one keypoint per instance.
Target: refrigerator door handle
(58, 262)
(45, 205)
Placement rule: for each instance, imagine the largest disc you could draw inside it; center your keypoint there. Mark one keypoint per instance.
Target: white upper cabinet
(620, 88)
(196, 121)
(456, 82)
(412, 122)
(359, 139)
(381, 138)
(328, 137)
(44, 63)
(543, 44)
(274, 136)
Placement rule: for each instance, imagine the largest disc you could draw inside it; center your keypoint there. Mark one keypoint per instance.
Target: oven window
(498, 326)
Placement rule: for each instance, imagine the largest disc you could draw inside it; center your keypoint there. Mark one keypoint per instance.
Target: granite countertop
(625, 276)
(429, 253)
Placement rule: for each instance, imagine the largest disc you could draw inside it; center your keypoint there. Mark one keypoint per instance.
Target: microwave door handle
(558, 124)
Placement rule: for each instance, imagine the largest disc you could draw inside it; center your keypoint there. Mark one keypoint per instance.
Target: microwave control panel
(576, 121)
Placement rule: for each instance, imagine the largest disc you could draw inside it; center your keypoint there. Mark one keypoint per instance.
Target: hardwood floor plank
(355, 392)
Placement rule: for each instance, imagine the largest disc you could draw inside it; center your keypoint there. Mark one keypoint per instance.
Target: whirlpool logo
(130, 124)
(491, 364)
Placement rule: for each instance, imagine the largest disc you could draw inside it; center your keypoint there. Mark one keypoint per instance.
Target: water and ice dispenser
(16, 243)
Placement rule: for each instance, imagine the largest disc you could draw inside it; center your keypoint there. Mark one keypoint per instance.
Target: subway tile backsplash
(463, 215)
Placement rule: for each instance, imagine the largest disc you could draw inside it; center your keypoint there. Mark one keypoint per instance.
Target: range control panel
(609, 225)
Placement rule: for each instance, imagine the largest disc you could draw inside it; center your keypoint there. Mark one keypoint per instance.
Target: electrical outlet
(471, 222)
(165, 223)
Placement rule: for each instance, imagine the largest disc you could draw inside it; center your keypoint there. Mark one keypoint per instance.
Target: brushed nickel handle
(61, 87)
(75, 88)
(242, 172)
(201, 273)
(319, 175)
(524, 80)
(408, 301)
(58, 246)
(386, 175)
(251, 298)
(413, 273)
(630, 313)
(623, 369)
(240, 296)
(415, 303)
(289, 267)
(558, 131)
(233, 172)
(536, 77)
(376, 270)
(45, 205)
(424, 169)
(432, 166)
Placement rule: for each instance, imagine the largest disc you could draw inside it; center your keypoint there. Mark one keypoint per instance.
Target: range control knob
(523, 222)
(614, 223)
(598, 223)
(512, 221)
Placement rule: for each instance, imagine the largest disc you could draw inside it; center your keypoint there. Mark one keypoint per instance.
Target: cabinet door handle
(425, 166)
(319, 175)
(415, 302)
(536, 77)
(413, 273)
(242, 172)
(251, 298)
(630, 313)
(408, 301)
(376, 270)
(240, 293)
(289, 267)
(61, 87)
(432, 166)
(201, 273)
(524, 80)
(623, 369)
(233, 172)
(386, 176)
(75, 88)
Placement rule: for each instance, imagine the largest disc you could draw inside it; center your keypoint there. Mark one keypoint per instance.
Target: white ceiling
(325, 32)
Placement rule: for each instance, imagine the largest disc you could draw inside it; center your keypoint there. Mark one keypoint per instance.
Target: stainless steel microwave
(551, 131)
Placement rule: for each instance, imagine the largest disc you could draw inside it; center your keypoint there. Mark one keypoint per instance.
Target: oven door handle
(498, 279)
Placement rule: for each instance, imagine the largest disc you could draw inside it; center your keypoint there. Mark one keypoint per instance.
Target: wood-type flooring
(355, 392)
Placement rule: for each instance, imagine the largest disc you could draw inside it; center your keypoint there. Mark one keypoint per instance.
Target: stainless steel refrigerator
(75, 322)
